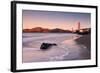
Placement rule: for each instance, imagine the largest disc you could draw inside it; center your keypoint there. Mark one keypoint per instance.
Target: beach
(69, 47)
(85, 40)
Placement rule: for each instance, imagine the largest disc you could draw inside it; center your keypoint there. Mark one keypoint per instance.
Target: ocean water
(66, 49)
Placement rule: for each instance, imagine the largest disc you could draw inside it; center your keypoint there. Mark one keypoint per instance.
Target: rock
(47, 45)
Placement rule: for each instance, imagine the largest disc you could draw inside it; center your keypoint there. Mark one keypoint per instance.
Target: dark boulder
(45, 46)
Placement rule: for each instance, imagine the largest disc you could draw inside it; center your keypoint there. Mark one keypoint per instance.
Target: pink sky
(63, 20)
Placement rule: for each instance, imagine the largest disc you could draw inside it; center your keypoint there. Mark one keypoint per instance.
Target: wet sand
(85, 40)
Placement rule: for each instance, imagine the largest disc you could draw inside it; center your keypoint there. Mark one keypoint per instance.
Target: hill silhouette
(42, 30)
